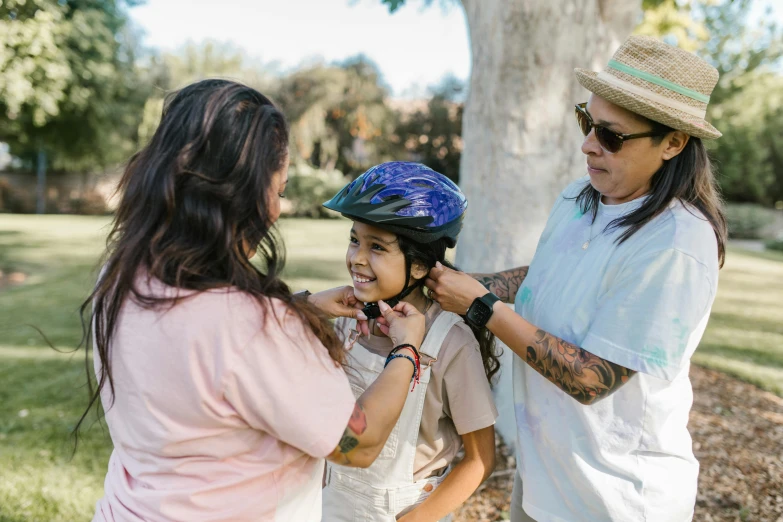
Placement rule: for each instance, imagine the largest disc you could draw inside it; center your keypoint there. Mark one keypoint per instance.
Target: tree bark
(521, 142)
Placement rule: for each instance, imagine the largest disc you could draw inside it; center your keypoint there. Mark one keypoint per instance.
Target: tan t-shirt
(458, 401)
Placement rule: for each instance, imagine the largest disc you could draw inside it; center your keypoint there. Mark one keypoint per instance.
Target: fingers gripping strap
(433, 341)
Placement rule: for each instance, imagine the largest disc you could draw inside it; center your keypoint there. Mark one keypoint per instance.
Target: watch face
(479, 313)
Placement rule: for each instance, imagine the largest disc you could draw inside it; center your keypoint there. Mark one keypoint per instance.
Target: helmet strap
(373, 311)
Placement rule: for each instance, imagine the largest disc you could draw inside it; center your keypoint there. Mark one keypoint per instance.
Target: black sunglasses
(609, 140)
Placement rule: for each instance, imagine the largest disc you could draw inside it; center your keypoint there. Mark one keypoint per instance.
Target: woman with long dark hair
(615, 301)
(223, 392)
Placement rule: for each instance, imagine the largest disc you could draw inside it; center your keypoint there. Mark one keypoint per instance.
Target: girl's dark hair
(191, 203)
(688, 177)
(427, 254)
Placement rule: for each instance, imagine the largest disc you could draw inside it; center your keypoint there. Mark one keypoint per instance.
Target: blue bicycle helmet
(409, 199)
(406, 198)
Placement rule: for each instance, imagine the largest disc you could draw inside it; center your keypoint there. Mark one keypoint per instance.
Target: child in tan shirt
(405, 215)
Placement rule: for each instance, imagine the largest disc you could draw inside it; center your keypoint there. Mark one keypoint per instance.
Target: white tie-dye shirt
(644, 305)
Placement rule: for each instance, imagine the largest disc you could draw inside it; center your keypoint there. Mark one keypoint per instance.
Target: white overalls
(386, 488)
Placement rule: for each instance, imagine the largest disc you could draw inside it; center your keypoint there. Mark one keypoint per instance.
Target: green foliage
(674, 20)
(309, 187)
(747, 103)
(339, 115)
(775, 244)
(169, 71)
(68, 81)
(749, 156)
(433, 135)
(737, 48)
(747, 220)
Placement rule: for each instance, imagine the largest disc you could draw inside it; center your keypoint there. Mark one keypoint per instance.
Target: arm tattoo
(357, 425)
(347, 443)
(358, 421)
(504, 284)
(579, 373)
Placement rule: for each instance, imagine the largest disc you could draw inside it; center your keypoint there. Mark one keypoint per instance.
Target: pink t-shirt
(221, 412)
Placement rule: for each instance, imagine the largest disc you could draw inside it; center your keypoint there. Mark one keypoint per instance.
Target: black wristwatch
(480, 311)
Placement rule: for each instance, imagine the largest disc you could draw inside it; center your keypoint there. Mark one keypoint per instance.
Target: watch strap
(489, 299)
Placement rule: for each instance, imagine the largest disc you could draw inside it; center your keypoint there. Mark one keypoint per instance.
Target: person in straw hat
(615, 301)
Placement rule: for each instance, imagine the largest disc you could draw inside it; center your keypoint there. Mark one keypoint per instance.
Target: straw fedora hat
(658, 81)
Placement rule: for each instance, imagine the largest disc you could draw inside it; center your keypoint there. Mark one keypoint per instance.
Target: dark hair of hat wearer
(688, 177)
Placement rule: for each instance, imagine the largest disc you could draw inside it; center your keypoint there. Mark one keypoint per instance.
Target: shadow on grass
(749, 355)
(44, 394)
(743, 323)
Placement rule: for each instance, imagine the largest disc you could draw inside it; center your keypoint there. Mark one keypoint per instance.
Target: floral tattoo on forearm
(504, 284)
(579, 373)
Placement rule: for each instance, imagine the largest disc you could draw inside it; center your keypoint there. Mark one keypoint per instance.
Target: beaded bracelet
(415, 360)
(401, 346)
(416, 355)
(415, 378)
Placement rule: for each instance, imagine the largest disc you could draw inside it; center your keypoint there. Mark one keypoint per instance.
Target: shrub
(308, 188)
(89, 203)
(775, 244)
(747, 220)
(15, 200)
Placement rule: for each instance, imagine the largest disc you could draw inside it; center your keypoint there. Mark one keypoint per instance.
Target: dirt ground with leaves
(737, 432)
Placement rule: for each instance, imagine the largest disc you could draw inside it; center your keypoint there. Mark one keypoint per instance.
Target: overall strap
(433, 341)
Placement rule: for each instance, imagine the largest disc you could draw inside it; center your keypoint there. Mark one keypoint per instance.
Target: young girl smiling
(405, 216)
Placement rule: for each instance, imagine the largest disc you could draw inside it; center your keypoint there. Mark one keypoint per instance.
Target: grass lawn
(744, 337)
(42, 392)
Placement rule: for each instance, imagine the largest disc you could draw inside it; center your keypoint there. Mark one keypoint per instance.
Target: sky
(415, 47)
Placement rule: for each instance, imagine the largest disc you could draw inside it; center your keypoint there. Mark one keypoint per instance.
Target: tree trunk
(40, 207)
(520, 136)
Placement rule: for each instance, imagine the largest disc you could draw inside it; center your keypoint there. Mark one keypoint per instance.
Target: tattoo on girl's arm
(579, 373)
(504, 284)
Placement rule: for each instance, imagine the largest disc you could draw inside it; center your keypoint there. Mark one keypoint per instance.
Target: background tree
(339, 115)
(747, 103)
(169, 71)
(432, 134)
(70, 92)
(521, 146)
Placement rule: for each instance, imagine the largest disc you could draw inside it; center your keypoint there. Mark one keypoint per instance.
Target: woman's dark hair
(688, 177)
(192, 202)
(427, 254)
